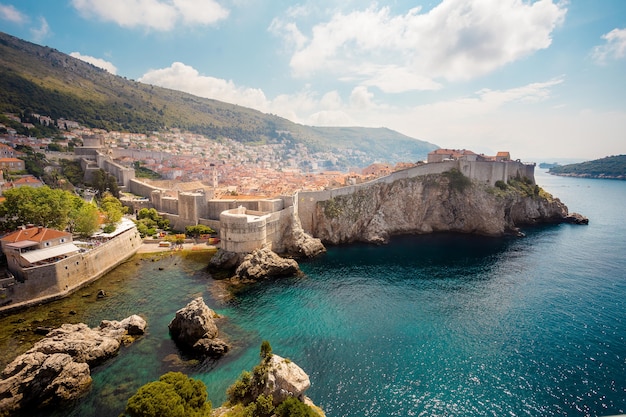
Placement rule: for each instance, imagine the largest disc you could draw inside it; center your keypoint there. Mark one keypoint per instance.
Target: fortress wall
(192, 206)
(136, 154)
(179, 223)
(168, 205)
(213, 224)
(59, 279)
(241, 232)
(270, 206)
(215, 207)
(278, 225)
(138, 187)
(273, 229)
(121, 173)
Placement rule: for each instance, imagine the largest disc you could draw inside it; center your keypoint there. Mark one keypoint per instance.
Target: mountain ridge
(43, 80)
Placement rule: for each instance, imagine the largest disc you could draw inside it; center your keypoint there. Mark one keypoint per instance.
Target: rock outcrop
(296, 243)
(263, 263)
(433, 203)
(194, 328)
(276, 378)
(284, 379)
(56, 369)
(225, 262)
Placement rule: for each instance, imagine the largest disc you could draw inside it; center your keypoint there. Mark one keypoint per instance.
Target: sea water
(432, 325)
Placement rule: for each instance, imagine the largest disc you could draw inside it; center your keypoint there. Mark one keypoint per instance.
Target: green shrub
(292, 407)
(501, 185)
(173, 395)
(264, 406)
(456, 179)
(240, 390)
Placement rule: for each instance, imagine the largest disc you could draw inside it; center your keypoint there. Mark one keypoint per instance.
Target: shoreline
(145, 248)
(153, 247)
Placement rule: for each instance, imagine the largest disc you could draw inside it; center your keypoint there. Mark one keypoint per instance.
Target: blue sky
(541, 79)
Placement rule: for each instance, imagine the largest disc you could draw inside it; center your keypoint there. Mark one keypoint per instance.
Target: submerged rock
(194, 328)
(56, 370)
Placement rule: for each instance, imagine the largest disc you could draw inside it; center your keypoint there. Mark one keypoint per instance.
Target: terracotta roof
(26, 181)
(34, 234)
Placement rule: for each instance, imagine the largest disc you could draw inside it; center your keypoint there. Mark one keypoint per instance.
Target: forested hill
(45, 81)
(612, 167)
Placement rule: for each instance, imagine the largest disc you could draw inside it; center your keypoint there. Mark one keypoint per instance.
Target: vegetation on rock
(244, 399)
(173, 395)
(457, 181)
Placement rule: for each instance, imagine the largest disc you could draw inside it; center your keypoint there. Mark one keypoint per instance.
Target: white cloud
(185, 78)
(10, 13)
(153, 14)
(40, 33)
(98, 62)
(456, 40)
(614, 48)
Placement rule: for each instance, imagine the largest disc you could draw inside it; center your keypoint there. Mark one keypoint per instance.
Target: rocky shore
(57, 369)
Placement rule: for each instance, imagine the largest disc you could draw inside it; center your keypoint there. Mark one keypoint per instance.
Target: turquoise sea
(437, 325)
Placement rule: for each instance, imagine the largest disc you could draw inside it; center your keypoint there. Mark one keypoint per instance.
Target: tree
(86, 220)
(266, 351)
(39, 206)
(104, 182)
(112, 208)
(173, 395)
(148, 220)
(198, 230)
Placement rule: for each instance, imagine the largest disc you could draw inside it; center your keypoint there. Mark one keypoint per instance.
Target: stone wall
(243, 231)
(141, 188)
(121, 173)
(56, 280)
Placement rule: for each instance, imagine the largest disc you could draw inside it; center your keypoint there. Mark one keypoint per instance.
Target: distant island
(610, 167)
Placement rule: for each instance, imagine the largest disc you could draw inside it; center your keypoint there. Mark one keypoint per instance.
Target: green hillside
(45, 81)
(613, 167)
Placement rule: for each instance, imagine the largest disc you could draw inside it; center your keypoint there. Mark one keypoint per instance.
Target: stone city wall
(56, 280)
(243, 231)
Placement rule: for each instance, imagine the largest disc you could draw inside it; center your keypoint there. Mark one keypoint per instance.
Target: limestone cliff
(448, 202)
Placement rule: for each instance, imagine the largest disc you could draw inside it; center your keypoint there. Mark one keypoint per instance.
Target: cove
(427, 325)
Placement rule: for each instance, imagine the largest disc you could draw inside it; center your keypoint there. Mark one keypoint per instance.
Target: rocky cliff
(448, 202)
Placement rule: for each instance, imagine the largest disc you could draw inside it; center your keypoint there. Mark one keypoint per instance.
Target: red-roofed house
(503, 156)
(28, 180)
(28, 247)
(440, 155)
(12, 164)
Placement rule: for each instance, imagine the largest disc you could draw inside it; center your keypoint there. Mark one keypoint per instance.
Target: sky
(541, 79)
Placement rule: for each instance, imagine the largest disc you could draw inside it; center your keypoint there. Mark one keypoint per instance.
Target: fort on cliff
(245, 225)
